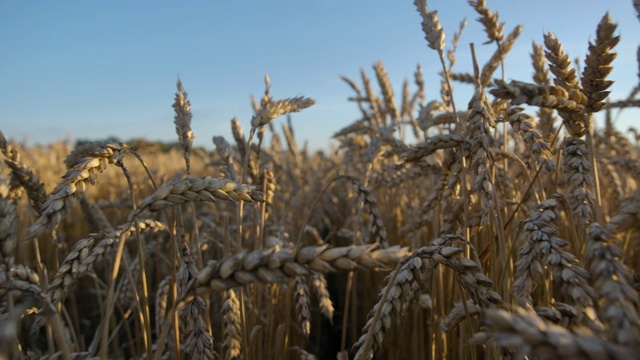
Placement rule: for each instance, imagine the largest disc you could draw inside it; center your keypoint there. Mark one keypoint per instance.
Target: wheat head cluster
(505, 229)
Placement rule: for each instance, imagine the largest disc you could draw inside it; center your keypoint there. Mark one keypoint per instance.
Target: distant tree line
(161, 146)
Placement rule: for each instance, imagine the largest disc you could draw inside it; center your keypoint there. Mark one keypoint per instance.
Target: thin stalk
(141, 314)
(345, 317)
(104, 343)
(144, 294)
(144, 165)
(598, 210)
(526, 192)
(173, 287)
(200, 265)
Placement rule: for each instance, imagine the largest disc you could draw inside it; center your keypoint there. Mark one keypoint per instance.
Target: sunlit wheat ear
(489, 20)
(434, 34)
(565, 77)
(30, 182)
(319, 285)
(66, 274)
(541, 77)
(196, 189)
(232, 331)
(22, 175)
(182, 120)
(238, 137)
(612, 280)
(269, 186)
(598, 65)
(376, 115)
(527, 335)
(273, 109)
(538, 95)
(578, 173)
(269, 265)
(12, 154)
(85, 163)
(387, 90)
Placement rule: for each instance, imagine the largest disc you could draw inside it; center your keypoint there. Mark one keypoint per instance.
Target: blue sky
(91, 69)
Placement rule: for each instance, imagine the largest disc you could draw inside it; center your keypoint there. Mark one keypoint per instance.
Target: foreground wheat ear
(495, 231)
(84, 164)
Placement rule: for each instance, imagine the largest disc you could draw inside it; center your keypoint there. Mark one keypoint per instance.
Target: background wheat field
(504, 227)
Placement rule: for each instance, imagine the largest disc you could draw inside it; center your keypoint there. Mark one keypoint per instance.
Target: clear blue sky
(90, 69)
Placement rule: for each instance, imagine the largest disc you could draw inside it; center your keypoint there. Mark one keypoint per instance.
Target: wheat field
(507, 227)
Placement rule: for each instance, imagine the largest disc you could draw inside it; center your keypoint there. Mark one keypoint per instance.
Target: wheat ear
(84, 164)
